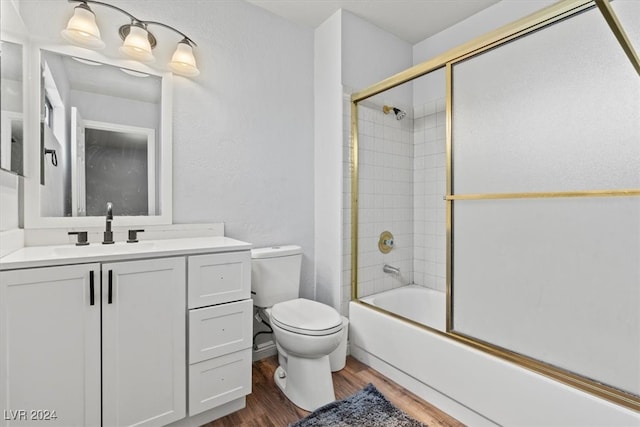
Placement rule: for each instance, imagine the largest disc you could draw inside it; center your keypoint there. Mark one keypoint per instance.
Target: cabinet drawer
(219, 278)
(218, 381)
(218, 330)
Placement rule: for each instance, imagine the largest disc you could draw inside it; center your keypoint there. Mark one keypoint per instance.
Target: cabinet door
(219, 278)
(50, 346)
(220, 329)
(144, 342)
(220, 380)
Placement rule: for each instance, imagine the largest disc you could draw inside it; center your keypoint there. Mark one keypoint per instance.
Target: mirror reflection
(100, 131)
(11, 95)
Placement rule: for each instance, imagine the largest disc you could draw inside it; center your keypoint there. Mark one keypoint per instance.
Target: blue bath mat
(368, 407)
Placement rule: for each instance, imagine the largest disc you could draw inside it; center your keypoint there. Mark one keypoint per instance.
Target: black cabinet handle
(110, 296)
(92, 295)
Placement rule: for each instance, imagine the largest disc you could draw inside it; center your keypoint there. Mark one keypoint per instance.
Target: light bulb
(136, 44)
(183, 62)
(82, 29)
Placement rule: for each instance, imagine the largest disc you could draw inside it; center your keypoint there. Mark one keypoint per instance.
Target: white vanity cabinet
(50, 337)
(50, 346)
(150, 334)
(220, 329)
(143, 342)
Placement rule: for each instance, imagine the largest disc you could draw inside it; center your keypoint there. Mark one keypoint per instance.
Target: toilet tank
(275, 274)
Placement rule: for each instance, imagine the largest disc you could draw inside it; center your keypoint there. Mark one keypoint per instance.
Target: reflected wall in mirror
(119, 167)
(11, 110)
(104, 124)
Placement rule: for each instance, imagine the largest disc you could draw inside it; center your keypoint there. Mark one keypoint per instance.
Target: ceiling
(409, 20)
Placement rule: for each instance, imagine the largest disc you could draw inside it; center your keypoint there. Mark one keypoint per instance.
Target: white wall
(116, 110)
(243, 129)
(369, 54)
(11, 95)
(8, 200)
(328, 158)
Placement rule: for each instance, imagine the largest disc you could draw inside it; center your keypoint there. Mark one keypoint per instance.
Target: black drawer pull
(110, 296)
(92, 295)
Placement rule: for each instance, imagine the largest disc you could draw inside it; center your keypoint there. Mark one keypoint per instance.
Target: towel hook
(54, 156)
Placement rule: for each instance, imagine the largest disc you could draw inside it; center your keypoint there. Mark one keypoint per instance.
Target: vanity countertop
(43, 256)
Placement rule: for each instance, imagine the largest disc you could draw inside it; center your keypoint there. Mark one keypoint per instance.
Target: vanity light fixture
(138, 41)
(183, 62)
(82, 28)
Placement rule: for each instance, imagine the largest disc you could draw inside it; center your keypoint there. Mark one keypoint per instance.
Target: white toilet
(306, 332)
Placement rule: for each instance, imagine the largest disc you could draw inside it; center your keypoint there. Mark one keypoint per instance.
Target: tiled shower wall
(385, 197)
(429, 190)
(402, 184)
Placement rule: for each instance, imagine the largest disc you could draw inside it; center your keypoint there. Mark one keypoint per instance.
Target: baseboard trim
(211, 415)
(265, 351)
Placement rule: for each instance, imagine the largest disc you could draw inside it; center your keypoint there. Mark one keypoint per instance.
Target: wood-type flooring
(267, 406)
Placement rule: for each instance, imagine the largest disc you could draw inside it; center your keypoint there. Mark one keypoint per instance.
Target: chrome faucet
(108, 234)
(390, 269)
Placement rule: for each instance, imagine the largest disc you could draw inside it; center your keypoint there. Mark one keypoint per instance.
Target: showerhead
(398, 112)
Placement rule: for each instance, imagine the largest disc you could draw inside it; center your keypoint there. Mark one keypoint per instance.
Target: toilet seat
(306, 317)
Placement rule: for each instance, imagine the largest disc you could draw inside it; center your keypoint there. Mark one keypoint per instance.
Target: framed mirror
(12, 106)
(104, 135)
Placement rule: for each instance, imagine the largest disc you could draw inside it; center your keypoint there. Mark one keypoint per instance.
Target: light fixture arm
(108, 5)
(184, 36)
(136, 20)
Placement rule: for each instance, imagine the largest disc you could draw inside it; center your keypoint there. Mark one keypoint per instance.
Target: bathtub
(473, 386)
(422, 305)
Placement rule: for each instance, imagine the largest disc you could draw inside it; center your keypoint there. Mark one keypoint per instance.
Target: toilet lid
(306, 317)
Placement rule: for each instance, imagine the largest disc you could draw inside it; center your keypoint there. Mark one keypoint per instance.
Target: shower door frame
(545, 17)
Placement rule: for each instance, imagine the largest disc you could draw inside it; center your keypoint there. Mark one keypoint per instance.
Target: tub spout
(390, 269)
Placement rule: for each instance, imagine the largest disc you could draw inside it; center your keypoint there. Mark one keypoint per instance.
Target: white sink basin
(46, 256)
(99, 249)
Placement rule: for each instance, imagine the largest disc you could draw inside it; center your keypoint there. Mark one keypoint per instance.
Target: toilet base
(307, 383)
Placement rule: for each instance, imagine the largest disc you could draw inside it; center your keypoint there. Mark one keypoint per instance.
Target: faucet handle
(82, 237)
(133, 236)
